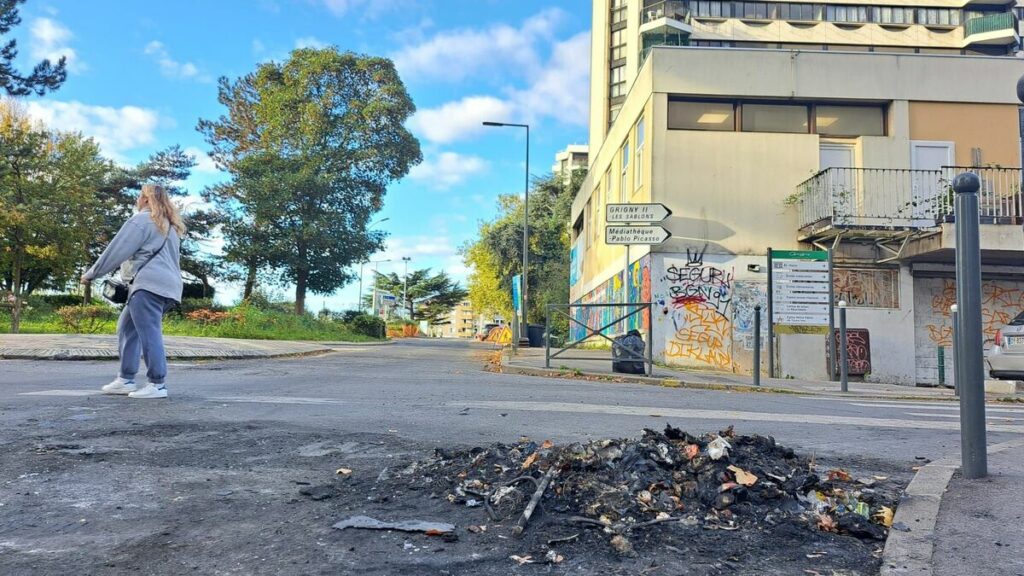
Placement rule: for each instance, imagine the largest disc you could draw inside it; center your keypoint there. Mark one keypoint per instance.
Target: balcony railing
(888, 199)
(673, 9)
(990, 23)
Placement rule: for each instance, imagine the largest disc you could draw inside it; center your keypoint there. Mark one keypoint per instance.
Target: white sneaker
(120, 386)
(150, 391)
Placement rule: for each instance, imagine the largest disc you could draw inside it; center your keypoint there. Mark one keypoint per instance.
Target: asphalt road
(120, 484)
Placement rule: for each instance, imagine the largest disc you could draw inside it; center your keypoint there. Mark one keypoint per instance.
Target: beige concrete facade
(736, 192)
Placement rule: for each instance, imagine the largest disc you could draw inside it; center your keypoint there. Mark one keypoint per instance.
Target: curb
(104, 354)
(909, 553)
(679, 383)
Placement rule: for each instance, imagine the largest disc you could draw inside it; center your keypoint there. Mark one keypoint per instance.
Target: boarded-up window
(867, 287)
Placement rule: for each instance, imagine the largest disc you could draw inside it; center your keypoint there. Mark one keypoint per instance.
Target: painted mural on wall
(576, 261)
(1001, 301)
(613, 290)
(867, 287)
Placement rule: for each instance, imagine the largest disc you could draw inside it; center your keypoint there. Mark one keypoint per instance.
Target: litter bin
(627, 355)
(535, 333)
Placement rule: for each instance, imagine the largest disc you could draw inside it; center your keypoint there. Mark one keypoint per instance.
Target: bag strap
(151, 256)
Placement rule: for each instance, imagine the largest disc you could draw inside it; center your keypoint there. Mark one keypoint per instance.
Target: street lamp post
(360, 305)
(524, 327)
(405, 285)
(373, 303)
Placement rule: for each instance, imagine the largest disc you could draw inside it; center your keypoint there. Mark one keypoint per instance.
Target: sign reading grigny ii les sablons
(636, 213)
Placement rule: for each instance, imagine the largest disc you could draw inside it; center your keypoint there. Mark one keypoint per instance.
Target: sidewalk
(101, 347)
(978, 530)
(531, 361)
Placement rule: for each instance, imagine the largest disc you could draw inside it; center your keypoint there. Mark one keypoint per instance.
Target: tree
(45, 76)
(311, 144)
(48, 204)
(497, 255)
(424, 296)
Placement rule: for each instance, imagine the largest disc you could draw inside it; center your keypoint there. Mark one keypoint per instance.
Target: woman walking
(147, 250)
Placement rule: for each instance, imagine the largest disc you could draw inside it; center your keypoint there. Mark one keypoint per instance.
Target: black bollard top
(1020, 89)
(967, 183)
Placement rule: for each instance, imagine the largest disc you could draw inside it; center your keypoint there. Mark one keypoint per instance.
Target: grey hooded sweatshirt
(137, 240)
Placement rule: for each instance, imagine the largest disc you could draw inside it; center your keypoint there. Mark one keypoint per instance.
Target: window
(850, 120)
(617, 82)
(619, 10)
(623, 182)
(893, 15)
(638, 166)
(701, 116)
(587, 223)
(707, 9)
(618, 45)
(938, 17)
(774, 118)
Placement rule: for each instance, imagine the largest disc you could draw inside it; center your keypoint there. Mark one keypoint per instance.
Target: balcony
(664, 23)
(994, 29)
(882, 202)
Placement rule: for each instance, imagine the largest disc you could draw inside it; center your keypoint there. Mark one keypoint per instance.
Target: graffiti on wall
(614, 291)
(747, 295)
(858, 351)
(867, 287)
(1000, 303)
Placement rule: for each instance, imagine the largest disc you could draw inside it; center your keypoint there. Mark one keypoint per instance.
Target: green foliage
(192, 304)
(86, 319)
(60, 300)
(497, 255)
(367, 325)
(311, 144)
(428, 297)
(197, 290)
(43, 78)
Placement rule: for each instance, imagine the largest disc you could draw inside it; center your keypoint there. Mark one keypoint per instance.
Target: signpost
(800, 296)
(622, 230)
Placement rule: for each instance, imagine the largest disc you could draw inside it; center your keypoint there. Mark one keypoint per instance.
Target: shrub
(207, 317)
(197, 290)
(269, 302)
(365, 324)
(86, 319)
(192, 304)
(61, 300)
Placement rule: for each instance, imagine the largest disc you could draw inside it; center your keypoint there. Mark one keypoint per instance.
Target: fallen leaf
(433, 532)
(530, 460)
(839, 474)
(827, 524)
(884, 516)
(547, 444)
(727, 486)
(344, 471)
(522, 559)
(691, 451)
(742, 476)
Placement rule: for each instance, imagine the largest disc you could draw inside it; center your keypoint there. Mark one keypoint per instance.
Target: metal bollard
(757, 345)
(844, 352)
(953, 318)
(974, 458)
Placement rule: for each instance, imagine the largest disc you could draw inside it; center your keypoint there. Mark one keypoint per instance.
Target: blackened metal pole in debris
(844, 352)
(968, 302)
(757, 345)
(954, 318)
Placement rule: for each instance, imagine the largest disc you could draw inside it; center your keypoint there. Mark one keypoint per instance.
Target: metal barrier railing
(624, 354)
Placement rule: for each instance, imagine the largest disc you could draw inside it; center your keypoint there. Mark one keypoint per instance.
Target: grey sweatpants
(139, 333)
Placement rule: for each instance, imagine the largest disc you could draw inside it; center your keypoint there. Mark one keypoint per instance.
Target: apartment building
(574, 157)
(461, 322)
(800, 126)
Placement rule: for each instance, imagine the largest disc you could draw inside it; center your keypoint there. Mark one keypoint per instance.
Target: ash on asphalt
(212, 497)
(666, 503)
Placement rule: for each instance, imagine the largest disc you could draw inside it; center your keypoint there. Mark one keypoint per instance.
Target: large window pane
(850, 121)
(701, 116)
(774, 118)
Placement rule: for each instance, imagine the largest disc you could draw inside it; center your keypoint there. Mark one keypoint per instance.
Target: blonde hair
(163, 212)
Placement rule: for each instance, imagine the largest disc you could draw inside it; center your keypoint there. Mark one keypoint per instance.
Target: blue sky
(143, 73)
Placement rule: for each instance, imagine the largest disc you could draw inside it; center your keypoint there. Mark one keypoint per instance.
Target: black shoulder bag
(117, 290)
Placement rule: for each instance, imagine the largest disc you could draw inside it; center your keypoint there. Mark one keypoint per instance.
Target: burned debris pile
(621, 487)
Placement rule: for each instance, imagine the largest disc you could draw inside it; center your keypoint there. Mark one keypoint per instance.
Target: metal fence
(619, 353)
(899, 198)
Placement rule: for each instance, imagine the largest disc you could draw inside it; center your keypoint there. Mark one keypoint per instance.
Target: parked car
(486, 331)
(1006, 357)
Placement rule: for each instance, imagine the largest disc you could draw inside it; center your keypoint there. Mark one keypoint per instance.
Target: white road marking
(62, 393)
(933, 415)
(954, 407)
(830, 420)
(276, 400)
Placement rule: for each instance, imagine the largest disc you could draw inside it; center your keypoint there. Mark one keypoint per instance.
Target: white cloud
(372, 8)
(459, 54)
(204, 163)
(257, 46)
(115, 129)
(460, 119)
(310, 42)
(448, 169)
(49, 41)
(172, 68)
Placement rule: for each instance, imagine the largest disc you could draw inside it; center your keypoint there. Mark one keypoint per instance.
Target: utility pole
(405, 287)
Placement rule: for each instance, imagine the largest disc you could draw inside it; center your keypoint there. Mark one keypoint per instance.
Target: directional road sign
(635, 235)
(636, 213)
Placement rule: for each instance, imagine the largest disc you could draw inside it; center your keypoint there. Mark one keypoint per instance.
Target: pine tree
(45, 76)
